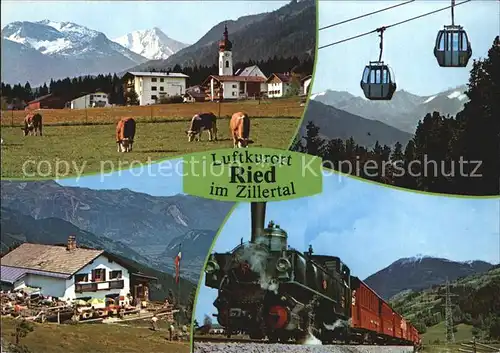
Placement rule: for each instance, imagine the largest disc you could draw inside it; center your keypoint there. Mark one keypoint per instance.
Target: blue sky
(159, 179)
(388, 224)
(408, 48)
(185, 21)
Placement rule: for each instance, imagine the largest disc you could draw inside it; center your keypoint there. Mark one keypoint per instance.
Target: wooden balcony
(97, 286)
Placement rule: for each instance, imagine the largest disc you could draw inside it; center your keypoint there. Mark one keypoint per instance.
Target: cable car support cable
(392, 25)
(381, 35)
(365, 15)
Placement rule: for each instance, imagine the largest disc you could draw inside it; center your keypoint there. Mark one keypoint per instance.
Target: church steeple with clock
(225, 55)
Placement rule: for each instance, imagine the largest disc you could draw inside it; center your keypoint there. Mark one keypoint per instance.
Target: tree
(28, 93)
(131, 97)
(294, 89)
(479, 125)
(314, 143)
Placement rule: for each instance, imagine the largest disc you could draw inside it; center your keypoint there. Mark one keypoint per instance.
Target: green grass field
(438, 332)
(434, 339)
(77, 146)
(93, 338)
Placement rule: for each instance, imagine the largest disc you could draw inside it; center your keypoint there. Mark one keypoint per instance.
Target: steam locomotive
(267, 289)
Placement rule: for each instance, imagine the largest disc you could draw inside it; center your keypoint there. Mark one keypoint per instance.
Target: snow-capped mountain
(403, 111)
(151, 43)
(68, 50)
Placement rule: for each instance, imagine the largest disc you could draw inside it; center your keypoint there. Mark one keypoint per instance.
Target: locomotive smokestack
(258, 210)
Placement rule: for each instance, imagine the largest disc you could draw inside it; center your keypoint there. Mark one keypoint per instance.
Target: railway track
(222, 339)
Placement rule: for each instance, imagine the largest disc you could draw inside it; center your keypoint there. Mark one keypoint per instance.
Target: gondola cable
(365, 15)
(392, 25)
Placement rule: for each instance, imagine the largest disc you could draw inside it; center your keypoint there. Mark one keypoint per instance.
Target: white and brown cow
(125, 133)
(240, 130)
(32, 124)
(200, 122)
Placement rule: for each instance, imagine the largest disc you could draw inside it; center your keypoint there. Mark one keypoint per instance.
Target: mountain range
(141, 227)
(40, 51)
(18, 228)
(334, 123)
(403, 111)
(421, 272)
(152, 44)
(286, 32)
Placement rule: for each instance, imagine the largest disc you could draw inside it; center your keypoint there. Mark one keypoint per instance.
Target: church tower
(225, 56)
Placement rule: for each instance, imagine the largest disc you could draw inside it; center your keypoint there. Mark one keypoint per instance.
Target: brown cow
(240, 130)
(125, 133)
(200, 122)
(32, 124)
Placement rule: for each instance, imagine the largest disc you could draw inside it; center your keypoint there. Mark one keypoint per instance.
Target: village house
(305, 83)
(48, 101)
(228, 86)
(91, 100)
(152, 86)
(278, 85)
(253, 70)
(194, 94)
(71, 272)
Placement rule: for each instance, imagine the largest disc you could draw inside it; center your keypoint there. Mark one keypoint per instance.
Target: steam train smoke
(337, 324)
(256, 257)
(311, 340)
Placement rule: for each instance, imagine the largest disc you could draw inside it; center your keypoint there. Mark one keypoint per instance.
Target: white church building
(249, 82)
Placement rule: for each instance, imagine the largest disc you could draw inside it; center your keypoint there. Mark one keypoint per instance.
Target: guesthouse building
(152, 86)
(71, 272)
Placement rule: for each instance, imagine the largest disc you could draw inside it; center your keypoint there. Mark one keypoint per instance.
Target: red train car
(365, 315)
(387, 318)
(374, 321)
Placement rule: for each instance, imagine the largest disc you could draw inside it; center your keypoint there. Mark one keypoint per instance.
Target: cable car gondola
(452, 48)
(378, 81)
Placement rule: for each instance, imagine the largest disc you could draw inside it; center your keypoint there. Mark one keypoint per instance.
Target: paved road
(210, 347)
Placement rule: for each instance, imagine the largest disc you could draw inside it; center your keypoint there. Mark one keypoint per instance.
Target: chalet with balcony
(278, 85)
(71, 272)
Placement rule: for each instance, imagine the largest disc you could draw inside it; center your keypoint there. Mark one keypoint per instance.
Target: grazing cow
(32, 124)
(240, 130)
(200, 122)
(125, 133)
